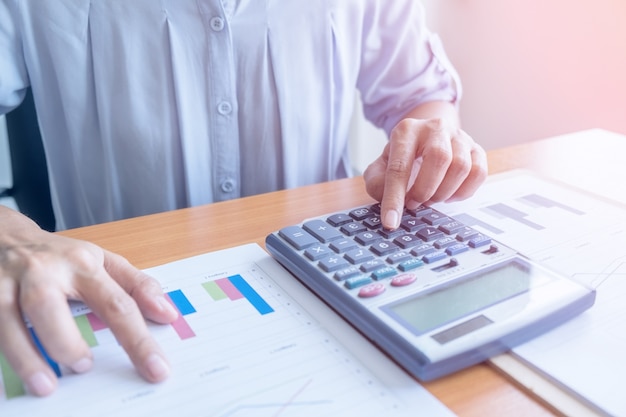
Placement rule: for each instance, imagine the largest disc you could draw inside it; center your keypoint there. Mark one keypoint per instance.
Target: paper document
(584, 237)
(250, 341)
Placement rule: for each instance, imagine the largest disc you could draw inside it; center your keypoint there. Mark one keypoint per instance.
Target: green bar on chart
(13, 386)
(85, 330)
(214, 290)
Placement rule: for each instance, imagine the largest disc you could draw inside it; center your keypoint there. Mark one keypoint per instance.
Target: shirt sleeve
(13, 75)
(403, 64)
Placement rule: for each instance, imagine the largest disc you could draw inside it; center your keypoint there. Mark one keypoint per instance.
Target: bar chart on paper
(240, 346)
(583, 236)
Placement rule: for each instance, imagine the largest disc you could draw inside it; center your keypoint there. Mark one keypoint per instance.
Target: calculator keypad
(355, 250)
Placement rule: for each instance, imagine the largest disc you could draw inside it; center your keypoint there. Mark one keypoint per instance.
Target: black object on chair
(31, 187)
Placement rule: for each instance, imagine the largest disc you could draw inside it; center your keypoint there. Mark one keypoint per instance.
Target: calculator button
(435, 218)
(412, 224)
(478, 241)
(451, 228)
(371, 290)
(317, 252)
(351, 229)
(333, 263)
(339, 219)
(384, 248)
(347, 273)
(343, 245)
(322, 230)
(465, 234)
(420, 211)
(423, 249)
(357, 256)
(434, 257)
(367, 238)
(429, 233)
(398, 257)
(372, 265)
(351, 283)
(297, 237)
(410, 264)
(445, 242)
(407, 241)
(375, 208)
(361, 213)
(383, 273)
(456, 249)
(390, 234)
(373, 222)
(403, 279)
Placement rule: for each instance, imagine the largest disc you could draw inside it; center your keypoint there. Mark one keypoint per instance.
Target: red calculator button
(371, 290)
(403, 279)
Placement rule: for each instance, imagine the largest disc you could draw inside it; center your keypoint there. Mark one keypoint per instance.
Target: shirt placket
(222, 96)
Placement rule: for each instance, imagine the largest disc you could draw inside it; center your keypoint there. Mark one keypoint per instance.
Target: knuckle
(119, 306)
(460, 165)
(436, 124)
(397, 167)
(440, 155)
(83, 258)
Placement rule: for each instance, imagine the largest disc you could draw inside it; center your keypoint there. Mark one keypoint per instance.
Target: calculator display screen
(424, 312)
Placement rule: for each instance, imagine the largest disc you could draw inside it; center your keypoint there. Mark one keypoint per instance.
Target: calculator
(435, 295)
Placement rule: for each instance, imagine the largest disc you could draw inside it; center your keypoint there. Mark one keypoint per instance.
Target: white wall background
(530, 69)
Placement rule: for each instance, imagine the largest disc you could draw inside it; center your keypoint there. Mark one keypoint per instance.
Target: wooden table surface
(589, 159)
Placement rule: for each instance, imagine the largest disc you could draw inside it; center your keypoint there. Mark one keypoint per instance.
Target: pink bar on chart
(95, 322)
(231, 291)
(180, 325)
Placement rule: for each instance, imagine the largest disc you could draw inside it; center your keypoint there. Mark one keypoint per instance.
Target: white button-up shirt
(152, 105)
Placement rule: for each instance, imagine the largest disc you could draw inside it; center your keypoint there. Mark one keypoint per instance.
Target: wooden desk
(590, 159)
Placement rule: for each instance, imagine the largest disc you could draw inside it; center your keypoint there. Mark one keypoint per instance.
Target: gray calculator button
(422, 249)
(317, 252)
(479, 240)
(445, 242)
(343, 245)
(357, 256)
(429, 234)
(408, 241)
(339, 219)
(297, 237)
(367, 238)
(333, 263)
(361, 213)
(344, 274)
(322, 230)
(351, 229)
(372, 265)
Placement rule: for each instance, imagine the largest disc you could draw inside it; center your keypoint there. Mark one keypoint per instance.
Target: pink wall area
(533, 69)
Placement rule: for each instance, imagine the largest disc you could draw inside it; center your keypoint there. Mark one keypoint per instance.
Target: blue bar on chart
(250, 294)
(181, 302)
(178, 299)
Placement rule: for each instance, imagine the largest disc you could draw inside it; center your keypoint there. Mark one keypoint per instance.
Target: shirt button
(224, 108)
(228, 185)
(217, 23)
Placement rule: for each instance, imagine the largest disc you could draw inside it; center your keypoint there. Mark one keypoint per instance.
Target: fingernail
(40, 384)
(82, 365)
(391, 219)
(157, 368)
